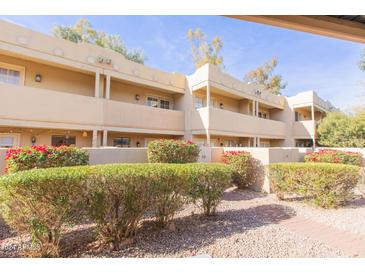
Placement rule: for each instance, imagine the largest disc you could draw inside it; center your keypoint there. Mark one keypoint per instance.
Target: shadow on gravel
(5, 230)
(235, 194)
(196, 231)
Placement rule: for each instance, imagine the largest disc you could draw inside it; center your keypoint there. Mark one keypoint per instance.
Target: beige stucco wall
(26, 106)
(112, 155)
(134, 138)
(44, 136)
(125, 92)
(53, 78)
(303, 129)
(262, 157)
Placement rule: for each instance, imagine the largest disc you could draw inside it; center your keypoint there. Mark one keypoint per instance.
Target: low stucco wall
(110, 155)
(2, 160)
(262, 157)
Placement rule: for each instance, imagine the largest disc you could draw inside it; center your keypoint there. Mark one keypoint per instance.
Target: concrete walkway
(351, 244)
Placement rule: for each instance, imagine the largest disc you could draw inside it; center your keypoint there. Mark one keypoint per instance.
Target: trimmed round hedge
(326, 184)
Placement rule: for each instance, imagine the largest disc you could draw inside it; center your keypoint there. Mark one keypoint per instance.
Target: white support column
(253, 107)
(97, 85)
(95, 138)
(105, 138)
(314, 126)
(254, 142)
(258, 142)
(208, 116)
(107, 87)
(257, 108)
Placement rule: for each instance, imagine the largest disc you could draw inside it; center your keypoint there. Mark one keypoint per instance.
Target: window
(7, 141)
(63, 140)
(158, 103)
(262, 115)
(10, 74)
(122, 142)
(198, 102)
(165, 104)
(152, 102)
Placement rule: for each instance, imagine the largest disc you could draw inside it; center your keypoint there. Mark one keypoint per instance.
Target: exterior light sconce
(84, 134)
(137, 97)
(258, 92)
(33, 140)
(101, 59)
(221, 106)
(38, 78)
(137, 144)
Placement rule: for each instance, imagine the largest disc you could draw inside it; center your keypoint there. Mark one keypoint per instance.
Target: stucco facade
(53, 91)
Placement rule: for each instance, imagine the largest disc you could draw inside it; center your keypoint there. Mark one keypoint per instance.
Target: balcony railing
(40, 105)
(232, 123)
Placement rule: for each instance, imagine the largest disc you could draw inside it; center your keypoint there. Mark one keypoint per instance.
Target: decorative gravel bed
(246, 225)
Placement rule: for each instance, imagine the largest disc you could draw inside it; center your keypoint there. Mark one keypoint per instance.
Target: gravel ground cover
(246, 225)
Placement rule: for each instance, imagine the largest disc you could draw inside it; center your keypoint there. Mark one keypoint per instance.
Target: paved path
(349, 243)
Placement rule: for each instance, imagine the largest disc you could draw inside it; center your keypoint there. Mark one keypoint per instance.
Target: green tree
(264, 75)
(341, 130)
(83, 32)
(205, 52)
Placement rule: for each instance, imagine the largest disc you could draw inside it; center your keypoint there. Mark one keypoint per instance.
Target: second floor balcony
(224, 122)
(29, 106)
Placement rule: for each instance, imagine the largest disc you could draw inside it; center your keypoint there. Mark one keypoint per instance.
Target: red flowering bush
(25, 158)
(241, 164)
(334, 156)
(172, 151)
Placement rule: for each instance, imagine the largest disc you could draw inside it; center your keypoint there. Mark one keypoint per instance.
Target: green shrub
(334, 156)
(327, 185)
(116, 197)
(242, 167)
(207, 182)
(172, 151)
(169, 188)
(26, 158)
(40, 201)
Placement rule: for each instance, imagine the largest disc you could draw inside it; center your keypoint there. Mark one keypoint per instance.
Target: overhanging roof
(346, 27)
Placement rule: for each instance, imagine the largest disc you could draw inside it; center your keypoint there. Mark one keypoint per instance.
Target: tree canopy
(264, 75)
(205, 52)
(83, 32)
(341, 130)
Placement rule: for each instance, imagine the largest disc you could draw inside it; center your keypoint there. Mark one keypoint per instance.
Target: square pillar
(105, 138)
(253, 108)
(257, 108)
(95, 138)
(97, 85)
(314, 126)
(208, 116)
(107, 88)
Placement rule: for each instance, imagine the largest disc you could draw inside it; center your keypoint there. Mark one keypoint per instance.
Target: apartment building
(55, 92)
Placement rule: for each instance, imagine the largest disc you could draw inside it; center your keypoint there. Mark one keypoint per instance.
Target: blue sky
(306, 61)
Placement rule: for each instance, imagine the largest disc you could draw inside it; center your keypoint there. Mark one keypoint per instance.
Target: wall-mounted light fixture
(258, 92)
(33, 140)
(221, 106)
(38, 78)
(100, 59)
(137, 97)
(137, 144)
